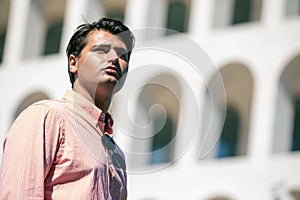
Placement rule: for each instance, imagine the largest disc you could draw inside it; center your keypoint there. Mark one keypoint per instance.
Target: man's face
(102, 61)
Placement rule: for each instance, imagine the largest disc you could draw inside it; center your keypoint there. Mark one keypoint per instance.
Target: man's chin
(112, 83)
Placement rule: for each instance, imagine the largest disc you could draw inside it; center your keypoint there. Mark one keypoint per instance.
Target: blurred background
(255, 48)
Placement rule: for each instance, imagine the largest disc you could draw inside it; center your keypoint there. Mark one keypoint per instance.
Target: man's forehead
(104, 37)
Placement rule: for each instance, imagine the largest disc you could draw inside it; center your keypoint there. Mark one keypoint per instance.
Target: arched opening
(178, 16)
(296, 128)
(286, 129)
(219, 198)
(241, 11)
(4, 11)
(53, 38)
(295, 193)
(229, 137)
(114, 9)
(231, 114)
(28, 100)
(157, 115)
(44, 27)
(232, 12)
(292, 8)
(161, 140)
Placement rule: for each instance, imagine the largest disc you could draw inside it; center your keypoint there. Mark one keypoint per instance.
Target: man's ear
(73, 63)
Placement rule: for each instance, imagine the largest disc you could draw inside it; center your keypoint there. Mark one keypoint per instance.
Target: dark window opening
(53, 38)
(242, 11)
(295, 194)
(177, 17)
(2, 43)
(292, 8)
(117, 15)
(296, 129)
(161, 150)
(229, 136)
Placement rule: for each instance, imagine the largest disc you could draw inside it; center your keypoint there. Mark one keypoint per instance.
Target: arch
(229, 136)
(44, 27)
(295, 193)
(287, 120)
(235, 110)
(178, 16)
(4, 12)
(28, 100)
(53, 38)
(292, 8)
(219, 198)
(115, 9)
(161, 139)
(231, 12)
(157, 115)
(106, 8)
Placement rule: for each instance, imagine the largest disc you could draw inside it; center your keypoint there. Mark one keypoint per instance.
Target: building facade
(211, 105)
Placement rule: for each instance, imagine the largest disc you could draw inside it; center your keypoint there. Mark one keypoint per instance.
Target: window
(295, 193)
(2, 41)
(287, 120)
(292, 8)
(227, 116)
(44, 27)
(156, 115)
(232, 12)
(114, 9)
(229, 137)
(170, 15)
(241, 11)
(161, 150)
(53, 38)
(296, 127)
(219, 198)
(178, 16)
(4, 9)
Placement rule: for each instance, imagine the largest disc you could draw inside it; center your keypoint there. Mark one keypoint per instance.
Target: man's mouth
(113, 70)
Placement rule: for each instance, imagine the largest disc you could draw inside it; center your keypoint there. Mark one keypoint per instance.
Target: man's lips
(114, 70)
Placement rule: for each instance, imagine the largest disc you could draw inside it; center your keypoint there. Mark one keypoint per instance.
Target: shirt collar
(97, 114)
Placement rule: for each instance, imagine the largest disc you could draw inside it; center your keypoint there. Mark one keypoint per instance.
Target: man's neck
(100, 98)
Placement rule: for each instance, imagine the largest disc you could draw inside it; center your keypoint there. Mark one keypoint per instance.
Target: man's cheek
(124, 67)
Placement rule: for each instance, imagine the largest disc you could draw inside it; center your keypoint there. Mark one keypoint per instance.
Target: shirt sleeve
(29, 151)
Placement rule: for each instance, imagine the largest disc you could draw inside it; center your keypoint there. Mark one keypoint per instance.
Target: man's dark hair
(78, 40)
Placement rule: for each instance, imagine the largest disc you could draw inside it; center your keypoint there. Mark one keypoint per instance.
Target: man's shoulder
(47, 105)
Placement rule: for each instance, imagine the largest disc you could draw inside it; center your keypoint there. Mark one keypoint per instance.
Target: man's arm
(28, 153)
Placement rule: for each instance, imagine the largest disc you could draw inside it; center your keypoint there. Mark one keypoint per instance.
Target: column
(16, 30)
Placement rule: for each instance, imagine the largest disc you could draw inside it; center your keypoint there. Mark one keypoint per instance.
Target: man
(63, 149)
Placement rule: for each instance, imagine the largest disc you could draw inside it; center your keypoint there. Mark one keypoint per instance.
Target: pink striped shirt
(54, 151)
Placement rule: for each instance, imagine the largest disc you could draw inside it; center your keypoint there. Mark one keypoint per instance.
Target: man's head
(80, 39)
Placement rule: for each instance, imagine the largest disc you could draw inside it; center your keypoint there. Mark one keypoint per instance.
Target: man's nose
(112, 56)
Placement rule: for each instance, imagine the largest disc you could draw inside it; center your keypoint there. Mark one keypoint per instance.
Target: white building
(255, 48)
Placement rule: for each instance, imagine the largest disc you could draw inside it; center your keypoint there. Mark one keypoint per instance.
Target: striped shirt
(54, 151)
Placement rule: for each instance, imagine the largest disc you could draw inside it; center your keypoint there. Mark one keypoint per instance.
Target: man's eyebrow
(100, 45)
(109, 46)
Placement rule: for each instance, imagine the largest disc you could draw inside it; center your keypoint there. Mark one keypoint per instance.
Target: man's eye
(122, 54)
(102, 50)
(124, 57)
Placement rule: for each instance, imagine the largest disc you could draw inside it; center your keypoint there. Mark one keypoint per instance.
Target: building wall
(258, 61)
